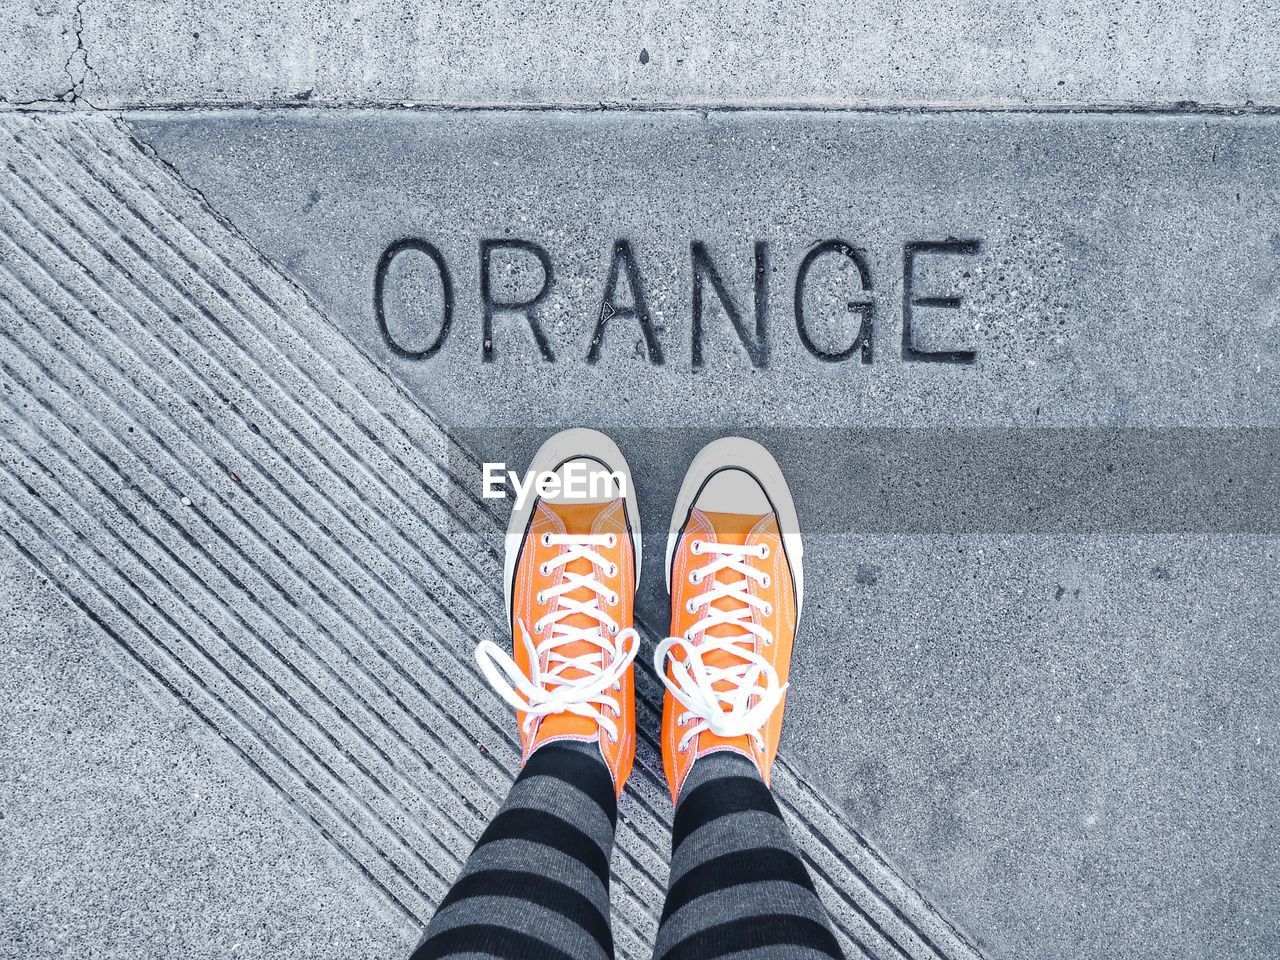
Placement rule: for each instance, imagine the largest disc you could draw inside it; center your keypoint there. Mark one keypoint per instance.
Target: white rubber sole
(558, 450)
(743, 454)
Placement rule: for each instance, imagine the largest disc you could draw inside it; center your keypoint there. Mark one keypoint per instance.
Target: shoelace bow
(727, 712)
(548, 690)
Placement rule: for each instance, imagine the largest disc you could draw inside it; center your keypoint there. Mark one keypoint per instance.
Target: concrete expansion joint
(73, 99)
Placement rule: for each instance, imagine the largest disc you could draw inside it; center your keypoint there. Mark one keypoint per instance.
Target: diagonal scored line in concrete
(270, 527)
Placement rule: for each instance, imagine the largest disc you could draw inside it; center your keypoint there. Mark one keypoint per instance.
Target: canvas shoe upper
(736, 588)
(572, 570)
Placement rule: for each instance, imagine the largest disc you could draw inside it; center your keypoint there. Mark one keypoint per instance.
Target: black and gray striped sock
(536, 887)
(738, 888)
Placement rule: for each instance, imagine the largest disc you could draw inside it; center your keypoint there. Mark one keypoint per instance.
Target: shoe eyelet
(684, 747)
(768, 639)
(690, 607)
(764, 551)
(696, 547)
(613, 738)
(541, 598)
(614, 599)
(613, 630)
(768, 610)
(617, 685)
(611, 570)
(764, 581)
(546, 539)
(611, 540)
(545, 569)
(694, 578)
(688, 636)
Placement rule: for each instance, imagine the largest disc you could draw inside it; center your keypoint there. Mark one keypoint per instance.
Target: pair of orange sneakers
(734, 573)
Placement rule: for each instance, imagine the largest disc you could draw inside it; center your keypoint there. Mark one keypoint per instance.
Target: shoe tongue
(730, 528)
(734, 528)
(581, 519)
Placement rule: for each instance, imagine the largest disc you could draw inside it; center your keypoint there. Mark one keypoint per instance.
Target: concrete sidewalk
(999, 285)
(1081, 53)
(1038, 692)
(277, 535)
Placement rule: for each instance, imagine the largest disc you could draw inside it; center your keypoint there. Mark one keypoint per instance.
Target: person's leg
(537, 884)
(536, 887)
(738, 888)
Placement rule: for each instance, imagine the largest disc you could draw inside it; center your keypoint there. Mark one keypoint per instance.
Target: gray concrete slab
(128, 829)
(1071, 741)
(571, 51)
(277, 533)
(1065, 729)
(1123, 271)
(41, 59)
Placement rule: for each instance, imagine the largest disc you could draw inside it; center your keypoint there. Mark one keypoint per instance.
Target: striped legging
(536, 887)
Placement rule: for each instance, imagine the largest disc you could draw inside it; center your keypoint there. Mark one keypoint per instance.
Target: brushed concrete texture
(1067, 741)
(571, 51)
(127, 829)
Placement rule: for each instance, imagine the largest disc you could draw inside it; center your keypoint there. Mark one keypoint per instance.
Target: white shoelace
(728, 712)
(548, 691)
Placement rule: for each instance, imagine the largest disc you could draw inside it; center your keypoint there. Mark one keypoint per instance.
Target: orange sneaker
(572, 564)
(736, 582)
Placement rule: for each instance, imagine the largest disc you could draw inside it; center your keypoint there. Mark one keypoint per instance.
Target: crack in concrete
(77, 74)
(74, 92)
